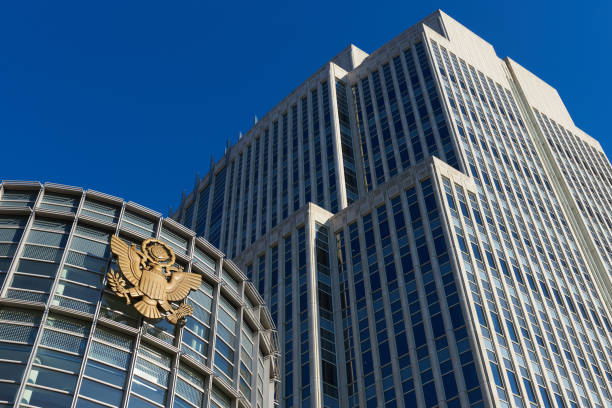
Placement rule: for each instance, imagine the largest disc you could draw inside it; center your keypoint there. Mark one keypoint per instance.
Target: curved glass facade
(67, 340)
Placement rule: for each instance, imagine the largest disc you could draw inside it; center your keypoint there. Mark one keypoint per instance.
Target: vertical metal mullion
(451, 68)
(396, 260)
(172, 380)
(513, 148)
(339, 320)
(96, 311)
(425, 93)
(380, 261)
(255, 369)
(214, 320)
(300, 153)
(353, 95)
(389, 115)
(379, 138)
(43, 316)
(266, 216)
(456, 143)
(403, 113)
(239, 313)
(227, 202)
(326, 199)
(22, 240)
(419, 286)
(236, 221)
(295, 296)
(448, 231)
(250, 197)
(254, 202)
(212, 180)
(238, 352)
(136, 343)
(314, 324)
(178, 339)
(433, 259)
(63, 258)
(530, 213)
(196, 206)
(459, 74)
(253, 193)
(18, 251)
(366, 129)
(281, 312)
(48, 302)
(130, 371)
(232, 202)
(311, 150)
(413, 104)
(290, 160)
(336, 136)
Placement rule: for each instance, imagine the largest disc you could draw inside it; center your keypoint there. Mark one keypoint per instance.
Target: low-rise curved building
(67, 340)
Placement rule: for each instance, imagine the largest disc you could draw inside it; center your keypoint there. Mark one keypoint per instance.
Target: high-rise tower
(428, 227)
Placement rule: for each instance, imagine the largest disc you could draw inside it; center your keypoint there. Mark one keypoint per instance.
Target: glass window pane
(105, 373)
(52, 378)
(136, 402)
(77, 291)
(15, 352)
(82, 276)
(195, 342)
(29, 282)
(202, 299)
(13, 332)
(101, 392)
(148, 390)
(47, 238)
(74, 304)
(151, 372)
(88, 262)
(36, 267)
(102, 211)
(90, 247)
(113, 338)
(205, 261)
(83, 403)
(45, 398)
(223, 365)
(188, 392)
(8, 392)
(56, 359)
(63, 341)
(44, 253)
(11, 371)
(198, 328)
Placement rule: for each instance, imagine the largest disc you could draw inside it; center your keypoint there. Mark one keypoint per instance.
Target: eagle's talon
(177, 316)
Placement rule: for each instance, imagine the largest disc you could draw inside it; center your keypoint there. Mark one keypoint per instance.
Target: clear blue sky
(131, 98)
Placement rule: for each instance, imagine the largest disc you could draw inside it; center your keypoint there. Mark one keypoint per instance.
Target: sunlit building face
(428, 228)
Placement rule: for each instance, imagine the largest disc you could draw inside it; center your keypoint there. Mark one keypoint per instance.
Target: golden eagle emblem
(154, 278)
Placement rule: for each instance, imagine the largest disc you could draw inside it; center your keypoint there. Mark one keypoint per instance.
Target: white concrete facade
(441, 236)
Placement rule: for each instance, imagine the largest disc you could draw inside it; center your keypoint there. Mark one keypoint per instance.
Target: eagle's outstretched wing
(129, 259)
(181, 283)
